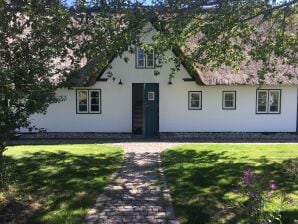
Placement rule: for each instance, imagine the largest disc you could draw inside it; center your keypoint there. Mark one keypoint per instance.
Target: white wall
(174, 114)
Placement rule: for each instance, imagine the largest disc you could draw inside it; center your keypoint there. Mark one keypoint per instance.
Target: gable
(124, 67)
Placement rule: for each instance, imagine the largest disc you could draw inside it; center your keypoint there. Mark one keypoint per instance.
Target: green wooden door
(151, 109)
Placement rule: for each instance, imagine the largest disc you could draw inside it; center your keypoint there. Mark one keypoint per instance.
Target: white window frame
(190, 93)
(99, 97)
(224, 100)
(137, 59)
(257, 103)
(78, 101)
(145, 59)
(88, 91)
(268, 91)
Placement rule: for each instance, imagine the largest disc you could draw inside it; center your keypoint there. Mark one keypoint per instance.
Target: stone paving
(139, 193)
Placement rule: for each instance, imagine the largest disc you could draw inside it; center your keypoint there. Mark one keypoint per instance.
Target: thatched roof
(248, 71)
(247, 74)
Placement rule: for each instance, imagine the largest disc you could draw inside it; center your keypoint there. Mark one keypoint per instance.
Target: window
(140, 58)
(195, 100)
(150, 60)
(229, 100)
(268, 101)
(151, 96)
(144, 60)
(82, 101)
(262, 96)
(94, 101)
(274, 101)
(88, 101)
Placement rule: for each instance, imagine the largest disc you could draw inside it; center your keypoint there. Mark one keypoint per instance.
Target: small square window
(195, 100)
(229, 100)
(151, 96)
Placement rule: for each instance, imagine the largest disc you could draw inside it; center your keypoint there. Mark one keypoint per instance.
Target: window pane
(82, 97)
(274, 98)
(262, 108)
(94, 97)
(229, 100)
(150, 95)
(140, 58)
(150, 59)
(195, 96)
(262, 101)
(94, 94)
(229, 104)
(83, 108)
(94, 101)
(195, 103)
(229, 96)
(94, 108)
(195, 100)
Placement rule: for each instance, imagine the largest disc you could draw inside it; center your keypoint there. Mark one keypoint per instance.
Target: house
(135, 100)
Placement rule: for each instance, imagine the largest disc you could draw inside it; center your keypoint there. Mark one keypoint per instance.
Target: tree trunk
(2, 166)
(2, 148)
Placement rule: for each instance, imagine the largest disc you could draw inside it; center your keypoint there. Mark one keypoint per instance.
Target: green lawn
(55, 183)
(201, 176)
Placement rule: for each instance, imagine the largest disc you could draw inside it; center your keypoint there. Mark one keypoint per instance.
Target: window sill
(269, 113)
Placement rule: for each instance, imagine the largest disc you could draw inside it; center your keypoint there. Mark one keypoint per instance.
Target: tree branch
(270, 10)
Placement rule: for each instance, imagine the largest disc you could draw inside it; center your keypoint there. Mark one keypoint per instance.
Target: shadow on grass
(201, 180)
(64, 184)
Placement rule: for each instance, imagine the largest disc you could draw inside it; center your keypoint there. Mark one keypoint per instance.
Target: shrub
(264, 203)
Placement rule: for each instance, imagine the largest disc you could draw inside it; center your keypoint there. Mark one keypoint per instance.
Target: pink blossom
(272, 185)
(269, 194)
(251, 194)
(290, 200)
(247, 177)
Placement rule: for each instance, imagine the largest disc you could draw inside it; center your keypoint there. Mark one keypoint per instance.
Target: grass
(55, 183)
(201, 176)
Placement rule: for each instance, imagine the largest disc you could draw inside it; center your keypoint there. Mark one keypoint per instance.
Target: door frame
(132, 98)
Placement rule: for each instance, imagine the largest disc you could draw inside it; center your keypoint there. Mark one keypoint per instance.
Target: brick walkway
(139, 193)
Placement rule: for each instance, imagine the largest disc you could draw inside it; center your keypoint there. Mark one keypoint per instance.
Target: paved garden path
(139, 193)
